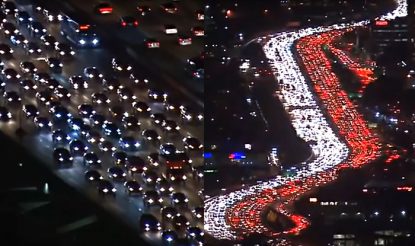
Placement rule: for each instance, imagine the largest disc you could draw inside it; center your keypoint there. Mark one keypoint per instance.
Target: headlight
(95, 41)
(82, 41)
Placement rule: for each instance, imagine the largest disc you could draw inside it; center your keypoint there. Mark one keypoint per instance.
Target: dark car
(9, 8)
(111, 84)
(77, 148)
(60, 137)
(55, 64)
(103, 8)
(120, 67)
(143, 10)
(138, 80)
(170, 126)
(195, 233)
(52, 84)
(97, 120)
(180, 222)
(62, 93)
(105, 187)
(117, 173)
(46, 97)
(60, 114)
(157, 95)
(28, 67)
(28, 85)
(167, 149)
(129, 143)
(93, 175)
(18, 40)
(30, 110)
(125, 94)
(107, 146)
(198, 213)
(62, 157)
(12, 97)
(32, 48)
(135, 164)
(22, 17)
(132, 187)
(5, 115)
(9, 29)
(120, 158)
(154, 159)
(168, 213)
(169, 7)
(100, 99)
(92, 160)
(151, 135)
(179, 199)
(169, 237)
(111, 130)
(94, 137)
(48, 41)
(149, 222)
(78, 82)
(150, 178)
(64, 50)
(141, 107)
(5, 50)
(36, 29)
(152, 198)
(41, 77)
(191, 143)
(10, 74)
(128, 21)
(92, 73)
(86, 110)
(131, 123)
(158, 118)
(43, 123)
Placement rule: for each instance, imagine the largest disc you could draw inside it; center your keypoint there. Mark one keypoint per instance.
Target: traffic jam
(114, 132)
(306, 86)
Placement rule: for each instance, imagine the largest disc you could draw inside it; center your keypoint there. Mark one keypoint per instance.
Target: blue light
(207, 155)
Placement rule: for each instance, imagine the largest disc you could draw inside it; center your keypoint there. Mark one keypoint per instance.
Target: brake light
(135, 23)
(106, 10)
(123, 23)
(83, 27)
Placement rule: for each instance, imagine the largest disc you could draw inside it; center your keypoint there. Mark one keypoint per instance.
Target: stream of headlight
(339, 135)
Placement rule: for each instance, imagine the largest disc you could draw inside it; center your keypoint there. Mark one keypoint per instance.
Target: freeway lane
(236, 214)
(128, 209)
(170, 58)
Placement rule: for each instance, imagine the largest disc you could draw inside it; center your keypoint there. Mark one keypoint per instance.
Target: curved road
(321, 115)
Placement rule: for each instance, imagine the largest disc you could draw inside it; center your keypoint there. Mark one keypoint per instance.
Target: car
(62, 156)
(93, 175)
(164, 186)
(120, 158)
(116, 173)
(52, 84)
(100, 99)
(170, 29)
(46, 97)
(196, 234)
(128, 21)
(158, 118)
(9, 29)
(3, 17)
(61, 114)
(77, 147)
(118, 112)
(169, 237)
(152, 43)
(125, 94)
(86, 110)
(22, 17)
(28, 67)
(129, 143)
(132, 187)
(179, 199)
(141, 107)
(143, 10)
(111, 84)
(191, 143)
(176, 175)
(62, 93)
(138, 80)
(135, 164)
(30, 110)
(103, 8)
(154, 159)
(184, 40)
(107, 146)
(32, 48)
(76, 123)
(120, 67)
(167, 149)
(64, 50)
(85, 130)
(94, 137)
(157, 95)
(180, 222)
(152, 198)
(200, 15)
(10, 74)
(170, 126)
(198, 213)
(78, 82)
(60, 137)
(41, 77)
(5, 50)
(97, 120)
(151, 135)
(48, 41)
(105, 187)
(131, 123)
(18, 40)
(150, 178)
(198, 172)
(55, 64)
(169, 7)
(149, 223)
(93, 73)
(198, 31)
(92, 160)
(111, 130)
(9, 8)
(12, 97)
(5, 114)
(36, 28)
(188, 114)
(168, 213)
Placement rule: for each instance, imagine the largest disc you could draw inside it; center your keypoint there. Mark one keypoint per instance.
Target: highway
(321, 114)
(129, 209)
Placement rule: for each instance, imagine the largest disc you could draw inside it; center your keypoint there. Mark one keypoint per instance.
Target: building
(387, 33)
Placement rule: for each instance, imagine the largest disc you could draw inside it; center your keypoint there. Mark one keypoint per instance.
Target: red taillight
(135, 23)
(83, 27)
(123, 23)
(105, 10)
